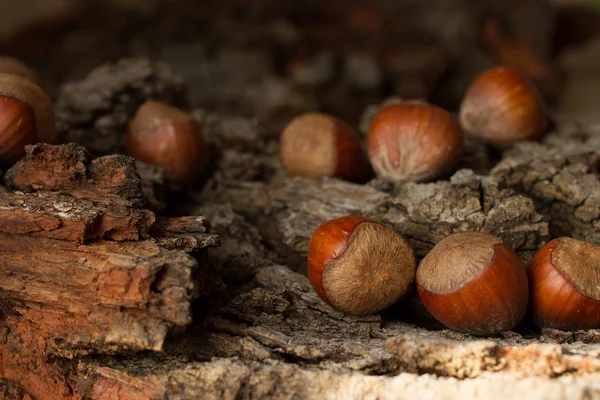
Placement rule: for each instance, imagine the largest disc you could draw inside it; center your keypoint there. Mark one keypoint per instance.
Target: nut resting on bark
(473, 283)
(564, 281)
(317, 145)
(163, 135)
(503, 107)
(359, 266)
(414, 141)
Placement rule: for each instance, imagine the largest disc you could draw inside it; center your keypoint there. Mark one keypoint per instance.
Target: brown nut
(360, 266)
(26, 117)
(317, 145)
(503, 107)
(563, 281)
(473, 283)
(414, 141)
(163, 135)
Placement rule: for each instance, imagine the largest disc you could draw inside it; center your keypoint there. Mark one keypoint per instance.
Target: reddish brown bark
(85, 269)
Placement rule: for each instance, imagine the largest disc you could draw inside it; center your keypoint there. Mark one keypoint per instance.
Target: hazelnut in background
(414, 141)
(504, 108)
(162, 135)
(317, 145)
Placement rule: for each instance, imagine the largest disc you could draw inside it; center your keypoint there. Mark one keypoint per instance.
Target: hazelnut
(414, 141)
(165, 136)
(563, 279)
(473, 283)
(503, 107)
(12, 66)
(316, 145)
(359, 266)
(26, 117)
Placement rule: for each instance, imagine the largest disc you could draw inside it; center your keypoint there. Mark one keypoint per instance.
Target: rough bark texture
(103, 298)
(423, 213)
(84, 268)
(276, 339)
(561, 175)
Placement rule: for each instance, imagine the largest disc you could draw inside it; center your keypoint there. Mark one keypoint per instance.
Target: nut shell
(327, 242)
(563, 279)
(503, 107)
(168, 137)
(26, 117)
(473, 283)
(317, 145)
(33, 96)
(414, 141)
(359, 266)
(17, 129)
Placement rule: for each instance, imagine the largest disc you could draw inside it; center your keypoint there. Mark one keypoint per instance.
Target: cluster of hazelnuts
(471, 282)
(415, 141)
(158, 134)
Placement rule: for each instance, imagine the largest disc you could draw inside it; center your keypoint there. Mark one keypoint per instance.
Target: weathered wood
(71, 168)
(64, 217)
(72, 291)
(277, 339)
(83, 270)
(424, 213)
(561, 176)
(251, 379)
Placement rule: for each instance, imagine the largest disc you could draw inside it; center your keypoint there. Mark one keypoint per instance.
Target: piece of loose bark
(62, 216)
(70, 168)
(70, 293)
(82, 267)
